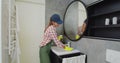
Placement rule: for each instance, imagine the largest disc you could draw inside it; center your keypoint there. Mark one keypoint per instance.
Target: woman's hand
(60, 37)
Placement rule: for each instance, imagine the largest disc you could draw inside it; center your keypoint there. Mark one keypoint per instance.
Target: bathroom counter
(59, 51)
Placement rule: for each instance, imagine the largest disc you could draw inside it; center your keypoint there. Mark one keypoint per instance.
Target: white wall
(32, 24)
(0, 36)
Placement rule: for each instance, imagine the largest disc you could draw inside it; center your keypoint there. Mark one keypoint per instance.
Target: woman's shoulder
(50, 28)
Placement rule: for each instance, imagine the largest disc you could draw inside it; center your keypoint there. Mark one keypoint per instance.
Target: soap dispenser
(69, 44)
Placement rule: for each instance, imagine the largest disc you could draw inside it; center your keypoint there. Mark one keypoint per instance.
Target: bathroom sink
(60, 51)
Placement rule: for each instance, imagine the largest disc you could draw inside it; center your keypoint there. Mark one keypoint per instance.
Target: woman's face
(55, 24)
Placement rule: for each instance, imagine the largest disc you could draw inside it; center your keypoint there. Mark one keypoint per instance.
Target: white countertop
(59, 51)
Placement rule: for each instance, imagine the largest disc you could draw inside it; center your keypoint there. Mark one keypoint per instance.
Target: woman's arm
(81, 29)
(53, 35)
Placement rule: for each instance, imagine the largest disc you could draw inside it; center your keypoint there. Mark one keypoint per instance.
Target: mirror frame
(64, 20)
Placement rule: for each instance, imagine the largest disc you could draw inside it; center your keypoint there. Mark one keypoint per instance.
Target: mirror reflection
(75, 20)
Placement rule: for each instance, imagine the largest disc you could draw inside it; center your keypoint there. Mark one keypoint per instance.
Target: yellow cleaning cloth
(68, 48)
(77, 36)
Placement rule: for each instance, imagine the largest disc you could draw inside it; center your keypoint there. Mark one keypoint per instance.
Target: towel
(76, 59)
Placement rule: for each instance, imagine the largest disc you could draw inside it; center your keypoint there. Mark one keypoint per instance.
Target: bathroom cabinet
(57, 55)
(96, 19)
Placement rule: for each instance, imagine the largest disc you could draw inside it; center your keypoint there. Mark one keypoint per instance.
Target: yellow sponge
(68, 48)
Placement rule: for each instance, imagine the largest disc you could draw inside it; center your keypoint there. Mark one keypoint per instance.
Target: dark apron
(44, 53)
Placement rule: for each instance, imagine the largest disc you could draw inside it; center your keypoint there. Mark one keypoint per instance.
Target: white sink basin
(59, 51)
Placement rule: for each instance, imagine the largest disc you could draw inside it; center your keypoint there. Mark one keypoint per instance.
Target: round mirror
(75, 20)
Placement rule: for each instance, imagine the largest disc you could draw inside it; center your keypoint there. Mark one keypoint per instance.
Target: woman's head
(55, 20)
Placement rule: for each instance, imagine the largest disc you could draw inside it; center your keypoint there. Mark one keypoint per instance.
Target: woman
(81, 29)
(49, 35)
